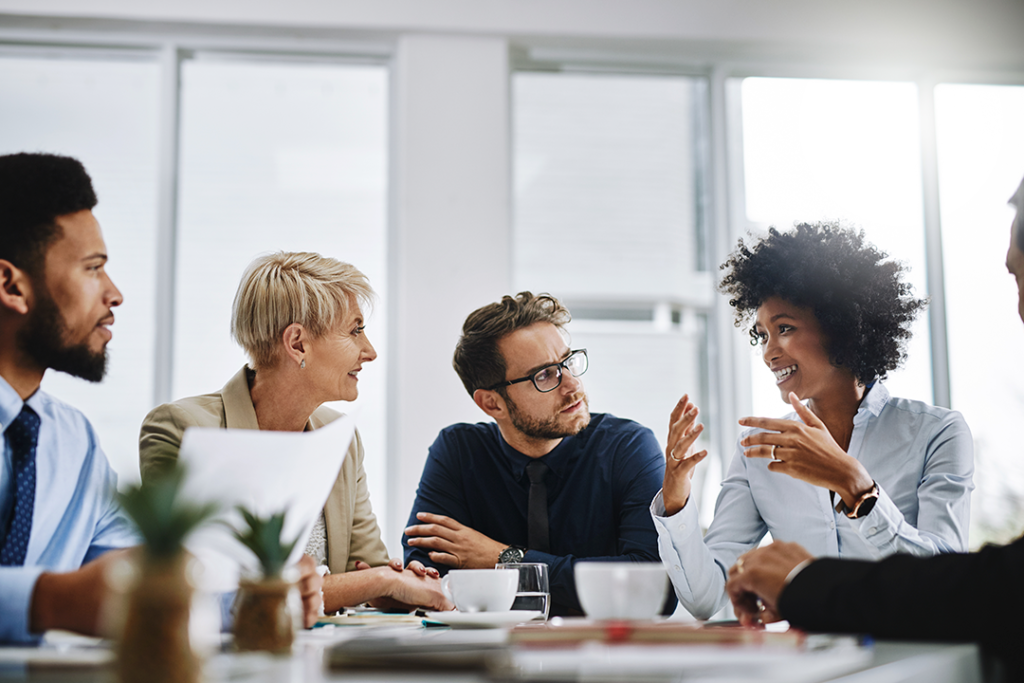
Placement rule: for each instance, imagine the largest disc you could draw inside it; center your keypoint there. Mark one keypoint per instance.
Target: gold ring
(773, 451)
(672, 454)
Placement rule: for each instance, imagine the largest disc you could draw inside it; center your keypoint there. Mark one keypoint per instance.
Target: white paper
(265, 472)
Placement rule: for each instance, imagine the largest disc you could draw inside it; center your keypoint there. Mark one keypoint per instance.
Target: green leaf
(164, 521)
(262, 536)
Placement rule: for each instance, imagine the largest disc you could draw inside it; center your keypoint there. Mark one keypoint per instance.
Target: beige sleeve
(366, 543)
(160, 439)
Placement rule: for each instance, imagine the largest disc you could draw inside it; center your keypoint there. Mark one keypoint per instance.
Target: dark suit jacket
(976, 597)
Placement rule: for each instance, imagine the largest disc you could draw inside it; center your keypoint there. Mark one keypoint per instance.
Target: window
(608, 217)
(980, 147)
(839, 150)
(105, 113)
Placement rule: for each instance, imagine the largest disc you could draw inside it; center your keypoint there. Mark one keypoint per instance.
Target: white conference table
(882, 662)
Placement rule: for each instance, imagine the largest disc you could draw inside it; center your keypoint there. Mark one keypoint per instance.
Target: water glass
(534, 592)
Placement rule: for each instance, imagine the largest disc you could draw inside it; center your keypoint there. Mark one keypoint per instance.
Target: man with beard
(57, 511)
(546, 481)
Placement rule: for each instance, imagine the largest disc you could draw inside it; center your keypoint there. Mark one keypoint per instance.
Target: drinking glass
(534, 592)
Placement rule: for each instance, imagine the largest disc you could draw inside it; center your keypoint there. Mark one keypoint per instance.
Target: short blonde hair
(293, 287)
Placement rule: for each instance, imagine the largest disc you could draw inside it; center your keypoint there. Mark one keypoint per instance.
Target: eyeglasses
(549, 377)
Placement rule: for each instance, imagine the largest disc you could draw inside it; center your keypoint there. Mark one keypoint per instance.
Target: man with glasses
(546, 481)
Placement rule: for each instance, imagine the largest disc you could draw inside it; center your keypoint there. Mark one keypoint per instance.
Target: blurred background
(610, 152)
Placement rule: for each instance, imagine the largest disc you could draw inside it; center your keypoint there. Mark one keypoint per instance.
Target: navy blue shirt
(599, 492)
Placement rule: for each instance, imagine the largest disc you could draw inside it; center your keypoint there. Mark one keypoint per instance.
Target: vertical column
(449, 240)
(167, 222)
(941, 392)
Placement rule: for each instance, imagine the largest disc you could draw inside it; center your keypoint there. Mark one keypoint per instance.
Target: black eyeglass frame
(560, 367)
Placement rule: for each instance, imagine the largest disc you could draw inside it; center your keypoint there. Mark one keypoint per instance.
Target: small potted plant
(154, 644)
(266, 612)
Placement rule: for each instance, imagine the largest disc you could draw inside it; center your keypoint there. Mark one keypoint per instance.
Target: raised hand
(453, 544)
(680, 460)
(806, 451)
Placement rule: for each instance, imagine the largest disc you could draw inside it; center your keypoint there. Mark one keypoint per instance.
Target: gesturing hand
(680, 460)
(453, 544)
(806, 451)
(757, 580)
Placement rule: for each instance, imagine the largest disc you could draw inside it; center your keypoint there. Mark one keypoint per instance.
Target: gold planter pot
(154, 645)
(265, 618)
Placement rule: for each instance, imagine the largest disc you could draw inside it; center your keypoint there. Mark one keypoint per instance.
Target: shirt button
(678, 568)
(872, 529)
(832, 525)
(682, 527)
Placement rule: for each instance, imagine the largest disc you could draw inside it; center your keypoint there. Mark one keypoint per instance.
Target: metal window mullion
(941, 394)
(167, 222)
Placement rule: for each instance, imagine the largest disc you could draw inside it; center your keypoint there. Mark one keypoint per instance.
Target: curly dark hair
(856, 293)
(34, 190)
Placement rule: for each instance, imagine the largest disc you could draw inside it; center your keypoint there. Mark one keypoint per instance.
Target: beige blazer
(352, 531)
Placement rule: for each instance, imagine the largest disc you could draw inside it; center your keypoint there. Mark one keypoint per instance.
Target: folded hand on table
(452, 543)
(758, 578)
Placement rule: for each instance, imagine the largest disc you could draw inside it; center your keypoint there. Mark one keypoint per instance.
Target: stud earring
(302, 365)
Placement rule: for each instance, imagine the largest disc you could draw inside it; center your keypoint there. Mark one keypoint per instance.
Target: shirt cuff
(796, 570)
(16, 587)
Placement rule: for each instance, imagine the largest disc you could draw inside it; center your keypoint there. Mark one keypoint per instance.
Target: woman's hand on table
(680, 458)
(407, 590)
(806, 451)
(416, 567)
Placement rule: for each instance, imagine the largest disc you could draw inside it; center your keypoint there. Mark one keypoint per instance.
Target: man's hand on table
(758, 578)
(453, 544)
(311, 589)
(72, 601)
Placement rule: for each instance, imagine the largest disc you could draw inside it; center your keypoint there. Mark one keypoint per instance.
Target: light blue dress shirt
(921, 457)
(76, 517)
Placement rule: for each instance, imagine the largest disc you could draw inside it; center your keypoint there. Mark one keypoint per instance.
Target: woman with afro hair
(852, 472)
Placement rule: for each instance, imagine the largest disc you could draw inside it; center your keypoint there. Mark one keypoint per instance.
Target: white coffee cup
(481, 590)
(621, 590)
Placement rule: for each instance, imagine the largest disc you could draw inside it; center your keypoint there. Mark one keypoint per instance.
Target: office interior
(610, 152)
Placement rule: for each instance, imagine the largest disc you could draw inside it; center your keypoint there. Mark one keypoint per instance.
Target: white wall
(947, 33)
(450, 235)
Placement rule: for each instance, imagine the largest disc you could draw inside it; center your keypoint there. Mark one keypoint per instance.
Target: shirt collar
(10, 404)
(874, 401)
(555, 460)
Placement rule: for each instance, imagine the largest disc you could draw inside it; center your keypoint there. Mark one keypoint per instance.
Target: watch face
(866, 507)
(511, 554)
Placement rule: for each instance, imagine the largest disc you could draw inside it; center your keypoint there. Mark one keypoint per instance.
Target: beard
(42, 340)
(547, 428)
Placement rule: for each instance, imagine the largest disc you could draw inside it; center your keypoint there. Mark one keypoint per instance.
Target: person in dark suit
(973, 596)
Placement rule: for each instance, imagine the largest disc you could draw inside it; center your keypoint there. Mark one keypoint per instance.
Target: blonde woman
(299, 317)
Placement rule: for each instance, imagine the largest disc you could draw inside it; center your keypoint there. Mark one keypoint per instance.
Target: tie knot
(24, 431)
(536, 470)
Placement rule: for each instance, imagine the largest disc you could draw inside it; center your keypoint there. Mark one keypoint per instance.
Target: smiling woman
(853, 472)
(299, 317)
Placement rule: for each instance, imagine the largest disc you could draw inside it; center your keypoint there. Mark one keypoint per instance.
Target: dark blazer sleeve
(976, 597)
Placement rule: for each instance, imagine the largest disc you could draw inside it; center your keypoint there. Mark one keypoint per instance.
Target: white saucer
(457, 619)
